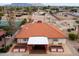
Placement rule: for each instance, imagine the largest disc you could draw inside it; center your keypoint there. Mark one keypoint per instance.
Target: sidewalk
(74, 51)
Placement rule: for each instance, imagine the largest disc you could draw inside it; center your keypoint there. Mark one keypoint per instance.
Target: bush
(6, 49)
(1, 14)
(77, 22)
(2, 50)
(72, 36)
(69, 30)
(72, 29)
(23, 22)
(7, 29)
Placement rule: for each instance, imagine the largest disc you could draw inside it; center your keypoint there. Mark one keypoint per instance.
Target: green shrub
(23, 22)
(69, 30)
(72, 36)
(2, 50)
(6, 49)
(7, 29)
(77, 21)
(1, 14)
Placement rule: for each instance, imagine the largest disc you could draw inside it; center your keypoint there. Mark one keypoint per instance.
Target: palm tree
(30, 12)
(11, 20)
(1, 8)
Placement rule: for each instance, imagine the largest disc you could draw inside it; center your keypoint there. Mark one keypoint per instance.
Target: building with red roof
(40, 34)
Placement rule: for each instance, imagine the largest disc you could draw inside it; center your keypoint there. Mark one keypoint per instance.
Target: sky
(63, 4)
(52, 4)
(1, 4)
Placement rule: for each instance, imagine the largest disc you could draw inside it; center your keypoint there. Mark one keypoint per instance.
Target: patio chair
(60, 50)
(22, 50)
(53, 50)
(15, 50)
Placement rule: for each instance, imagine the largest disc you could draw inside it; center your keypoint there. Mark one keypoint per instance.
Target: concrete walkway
(74, 51)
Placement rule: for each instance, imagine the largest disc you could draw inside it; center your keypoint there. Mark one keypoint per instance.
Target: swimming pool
(5, 22)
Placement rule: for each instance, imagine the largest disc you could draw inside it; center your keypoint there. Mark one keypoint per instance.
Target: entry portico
(38, 41)
(35, 42)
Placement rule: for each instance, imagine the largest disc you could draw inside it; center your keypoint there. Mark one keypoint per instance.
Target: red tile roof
(40, 29)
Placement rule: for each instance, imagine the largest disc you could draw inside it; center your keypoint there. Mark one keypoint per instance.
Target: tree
(73, 10)
(34, 9)
(72, 36)
(11, 20)
(18, 8)
(77, 21)
(1, 14)
(44, 8)
(30, 12)
(23, 22)
(12, 8)
(1, 8)
(50, 12)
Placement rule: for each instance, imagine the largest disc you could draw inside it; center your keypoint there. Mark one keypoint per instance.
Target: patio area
(18, 48)
(64, 50)
(56, 49)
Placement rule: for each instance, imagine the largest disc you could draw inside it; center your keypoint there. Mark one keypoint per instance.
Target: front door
(38, 49)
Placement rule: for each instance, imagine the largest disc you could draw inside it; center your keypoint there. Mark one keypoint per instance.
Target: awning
(38, 41)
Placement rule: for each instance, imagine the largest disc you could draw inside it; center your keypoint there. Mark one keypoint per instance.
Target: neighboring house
(2, 33)
(39, 35)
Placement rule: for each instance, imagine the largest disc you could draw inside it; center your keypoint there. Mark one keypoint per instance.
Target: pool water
(5, 22)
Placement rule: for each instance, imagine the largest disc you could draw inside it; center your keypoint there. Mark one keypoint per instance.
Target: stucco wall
(63, 41)
(50, 41)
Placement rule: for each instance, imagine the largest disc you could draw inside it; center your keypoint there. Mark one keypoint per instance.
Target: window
(24, 39)
(55, 40)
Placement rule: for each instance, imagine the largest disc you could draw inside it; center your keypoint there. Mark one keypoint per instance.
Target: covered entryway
(37, 45)
(38, 49)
